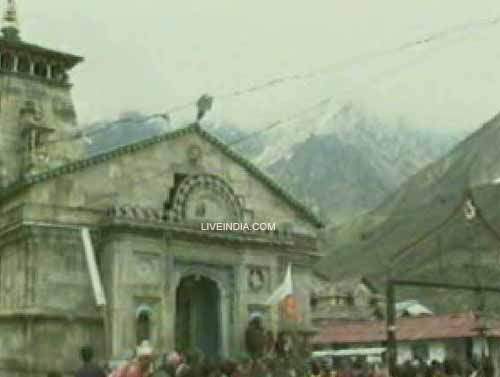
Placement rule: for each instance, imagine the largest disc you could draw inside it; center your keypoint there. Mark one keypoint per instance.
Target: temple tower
(37, 117)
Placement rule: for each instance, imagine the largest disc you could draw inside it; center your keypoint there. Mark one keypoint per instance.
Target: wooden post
(391, 329)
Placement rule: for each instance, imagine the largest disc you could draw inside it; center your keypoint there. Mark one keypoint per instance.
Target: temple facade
(114, 248)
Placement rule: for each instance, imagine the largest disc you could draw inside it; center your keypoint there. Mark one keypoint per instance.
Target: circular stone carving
(145, 267)
(206, 198)
(194, 154)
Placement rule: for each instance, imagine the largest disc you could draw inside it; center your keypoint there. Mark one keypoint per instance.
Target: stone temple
(109, 249)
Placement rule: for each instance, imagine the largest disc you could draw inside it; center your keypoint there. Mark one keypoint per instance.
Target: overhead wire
(406, 249)
(360, 58)
(273, 82)
(381, 76)
(318, 104)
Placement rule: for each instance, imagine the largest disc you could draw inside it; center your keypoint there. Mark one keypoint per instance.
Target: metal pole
(462, 287)
(391, 329)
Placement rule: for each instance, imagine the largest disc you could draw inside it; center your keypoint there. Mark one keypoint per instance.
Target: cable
(373, 82)
(480, 220)
(348, 62)
(280, 122)
(403, 251)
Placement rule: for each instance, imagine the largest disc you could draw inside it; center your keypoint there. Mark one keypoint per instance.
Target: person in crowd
(260, 368)
(488, 367)
(435, 369)
(141, 366)
(325, 368)
(452, 368)
(89, 368)
(381, 370)
(169, 365)
(228, 368)
(244, 367)
(315, 369)
(270, 344)
(408, 369)
(271, 366)
(358, 368)
(164, 369)
(256, 337)
(183, 364)
(345, 369)
(284, 345)
(195, 360)
(185, 372)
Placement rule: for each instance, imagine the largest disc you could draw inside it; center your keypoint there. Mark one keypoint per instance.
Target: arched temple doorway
(198, 316)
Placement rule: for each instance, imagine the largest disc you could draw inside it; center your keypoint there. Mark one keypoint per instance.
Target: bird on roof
(204, 104)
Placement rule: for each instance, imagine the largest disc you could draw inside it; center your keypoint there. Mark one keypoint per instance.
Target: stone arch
(203, 272)
(223, 304)
(213, 184)
(143, 323)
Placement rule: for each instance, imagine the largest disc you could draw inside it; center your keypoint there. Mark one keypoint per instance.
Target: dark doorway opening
(198, 313)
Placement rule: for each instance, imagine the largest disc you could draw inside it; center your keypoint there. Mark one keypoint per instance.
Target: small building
(349, 299)
(426, 337)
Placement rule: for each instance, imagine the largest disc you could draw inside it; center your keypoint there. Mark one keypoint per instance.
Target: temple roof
(79, 165)
(68, 60)
(10, 39)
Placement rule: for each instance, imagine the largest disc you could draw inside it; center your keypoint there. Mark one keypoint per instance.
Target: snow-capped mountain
(339, 159)
(353, 161)
(423, 232)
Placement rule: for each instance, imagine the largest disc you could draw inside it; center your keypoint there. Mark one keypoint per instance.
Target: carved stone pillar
(16, 63)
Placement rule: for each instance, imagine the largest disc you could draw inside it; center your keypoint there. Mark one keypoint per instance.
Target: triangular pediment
(143, 172)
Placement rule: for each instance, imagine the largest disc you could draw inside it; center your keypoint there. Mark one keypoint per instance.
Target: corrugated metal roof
(462, 325)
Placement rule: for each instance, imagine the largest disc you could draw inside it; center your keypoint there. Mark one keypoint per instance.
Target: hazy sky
(151, 55)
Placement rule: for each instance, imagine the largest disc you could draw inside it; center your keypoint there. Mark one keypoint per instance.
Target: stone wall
(13, 282)
(55, 106)
(146, 271)
(144, 178)
(63, 281)
(47, 311)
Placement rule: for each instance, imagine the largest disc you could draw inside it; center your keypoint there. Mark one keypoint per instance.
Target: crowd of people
(193, 364)
(285, 356)
(448, 368)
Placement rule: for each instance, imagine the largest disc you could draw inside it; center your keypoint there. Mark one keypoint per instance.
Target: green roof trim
(140, 145)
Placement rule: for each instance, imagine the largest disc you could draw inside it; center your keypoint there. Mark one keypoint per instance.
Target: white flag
(95, 278)
(285, 289)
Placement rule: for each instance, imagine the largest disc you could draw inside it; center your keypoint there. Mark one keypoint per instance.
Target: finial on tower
(10, 28)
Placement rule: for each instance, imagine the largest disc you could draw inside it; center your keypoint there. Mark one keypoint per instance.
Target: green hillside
(459, 252)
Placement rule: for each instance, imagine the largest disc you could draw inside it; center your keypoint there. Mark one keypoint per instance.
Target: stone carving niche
(205, 197)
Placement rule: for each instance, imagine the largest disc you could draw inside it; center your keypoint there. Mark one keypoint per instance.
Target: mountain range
(354, 160)
(341, 165)
(420, 232)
